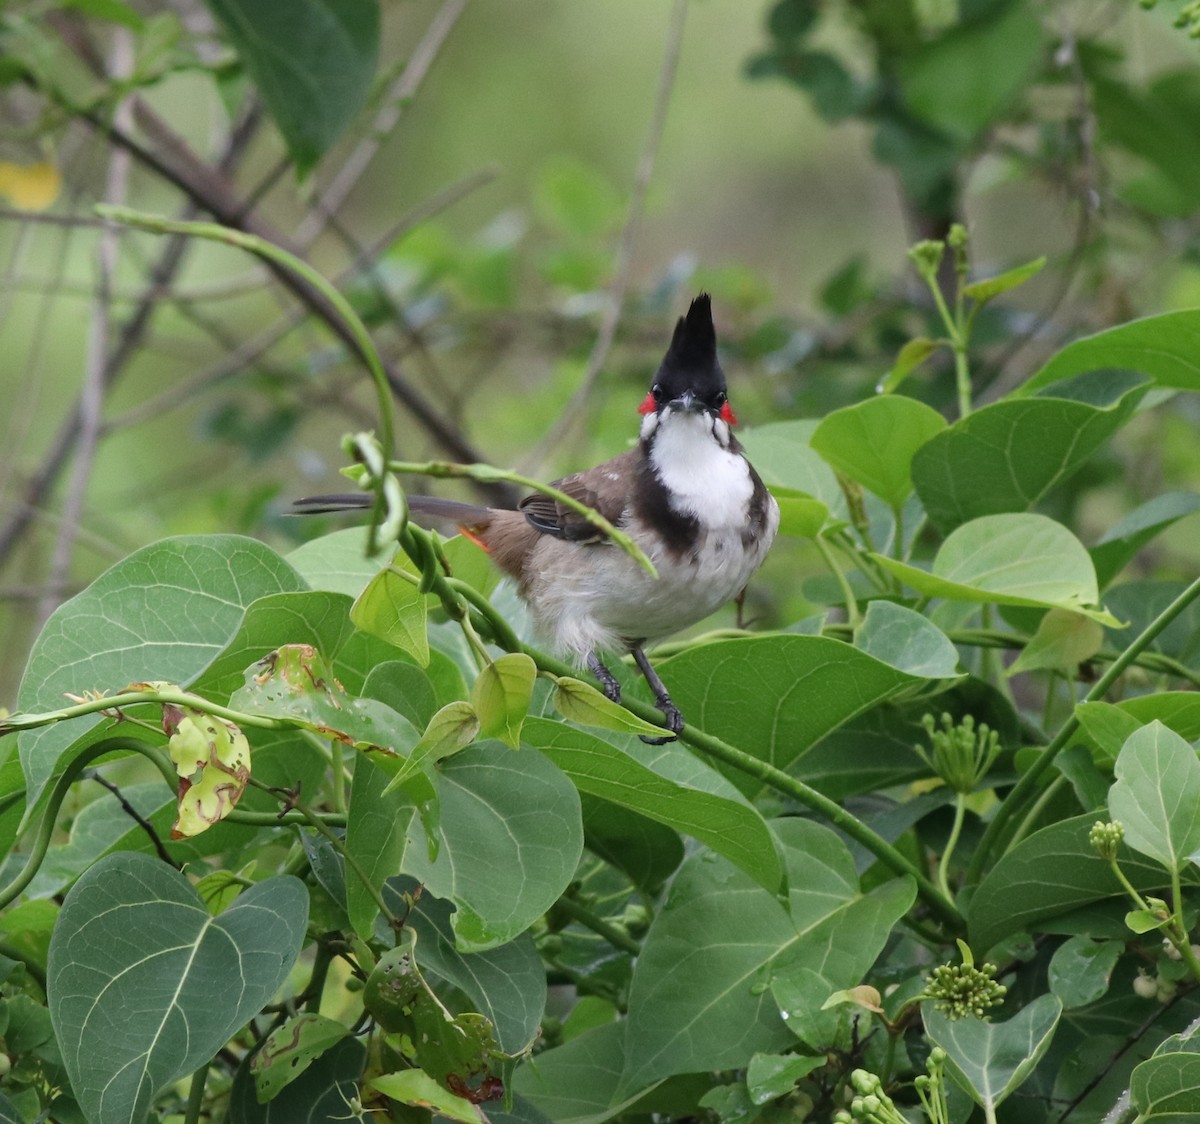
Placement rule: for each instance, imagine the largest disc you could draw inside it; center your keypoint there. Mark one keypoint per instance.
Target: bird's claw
(672, 719)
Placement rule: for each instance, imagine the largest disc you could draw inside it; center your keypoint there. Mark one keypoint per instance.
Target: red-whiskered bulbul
(686, 495)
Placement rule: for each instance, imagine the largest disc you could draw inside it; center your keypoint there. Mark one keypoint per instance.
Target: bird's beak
(686, 403)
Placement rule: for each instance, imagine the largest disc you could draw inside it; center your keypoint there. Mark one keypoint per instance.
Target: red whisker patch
(727, 414)
(648, 405)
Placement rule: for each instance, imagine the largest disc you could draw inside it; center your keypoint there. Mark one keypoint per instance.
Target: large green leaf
(730, 827)
(777, 696)
(1012, 559)
(906, 640)
(577, 1083)
(511, 836)
(506, 983)
(337, 562)
(144, 985)
(1166, 348)
(781, 454)
(992, 1059)
(701, 996)
(162, 613)
(1049, 874)
(392, 607)
(873, 442)
(312, 61)
(1122, 542)
(317, 618)
(1007, 456)
(1156, 794)
(1167, 1087)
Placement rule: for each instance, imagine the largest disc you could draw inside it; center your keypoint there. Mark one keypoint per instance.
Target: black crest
(691, 360)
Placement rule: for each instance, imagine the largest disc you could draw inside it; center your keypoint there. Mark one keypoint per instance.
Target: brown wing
(605, 488)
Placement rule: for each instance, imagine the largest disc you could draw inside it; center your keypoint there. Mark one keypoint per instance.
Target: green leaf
(971, 75)
(507, 983)
(990, 287)
(1167, 1087)
(501, 697)
(416, 1087)
(908, 359)
(769, 1076)
(781, 455)
(337, 562)
(1165, 348)
(393, 608)
(835, 955)
(1007, 456)
(729, 826)
(799, 514)
(701, 996)
(511, 836)
(163, 613)
(134, 937)
(1177, 710)
(317, 618)
(777, 696)
(647, 852)
(991, 1060)
(312, 60)
(452, 729)
(873, 442)
(1120, 544)
(1048, 875)
(1106, 726)
(1010, 560)
(290, 1049)
(1142, 921)
(580, 702)
(112, 10)
(320, 1095)
(577, 1083)
(1156, 794)
(906, 640)
(1081, 968)
(1062, 642)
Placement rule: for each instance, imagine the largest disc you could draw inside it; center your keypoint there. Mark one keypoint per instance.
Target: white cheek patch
(705, 480)
(649, 425)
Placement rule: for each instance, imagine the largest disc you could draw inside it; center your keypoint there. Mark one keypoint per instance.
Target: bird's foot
(672, 718)
(608, 681)
(662, 700)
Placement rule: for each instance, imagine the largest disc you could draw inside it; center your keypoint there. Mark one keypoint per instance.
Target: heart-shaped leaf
(501, 697)
(135, 968)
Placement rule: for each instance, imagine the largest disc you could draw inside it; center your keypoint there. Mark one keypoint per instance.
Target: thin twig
(574, 410)
(133, 814)
(91, 399)
(402, 90)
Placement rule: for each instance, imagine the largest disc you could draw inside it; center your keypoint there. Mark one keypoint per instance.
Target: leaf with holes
(135, 963)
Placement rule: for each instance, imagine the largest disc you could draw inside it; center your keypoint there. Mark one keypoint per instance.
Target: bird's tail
(469, 517)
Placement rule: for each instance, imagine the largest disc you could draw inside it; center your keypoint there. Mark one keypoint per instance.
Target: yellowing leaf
(212, 758)
(31, 187)
(501, 697)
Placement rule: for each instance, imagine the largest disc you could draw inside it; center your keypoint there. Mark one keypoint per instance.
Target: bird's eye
(721, 398)
(657, 391)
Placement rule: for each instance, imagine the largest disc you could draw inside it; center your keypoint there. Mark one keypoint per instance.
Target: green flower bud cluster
(959, 990)
(927, 256)
(870, 1104)
(932, 1088)
(961, 754)
(1104, 838)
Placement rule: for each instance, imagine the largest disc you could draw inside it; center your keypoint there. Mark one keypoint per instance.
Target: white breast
(703, 477)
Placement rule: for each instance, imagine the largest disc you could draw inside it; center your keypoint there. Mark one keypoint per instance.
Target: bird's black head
(690, 376)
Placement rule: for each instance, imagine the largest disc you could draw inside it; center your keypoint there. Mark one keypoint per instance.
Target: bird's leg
(662, 700)
(608, 681)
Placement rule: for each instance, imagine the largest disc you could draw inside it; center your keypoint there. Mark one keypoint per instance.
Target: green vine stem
(1025, 790)
(58, 793)
(260, 247)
